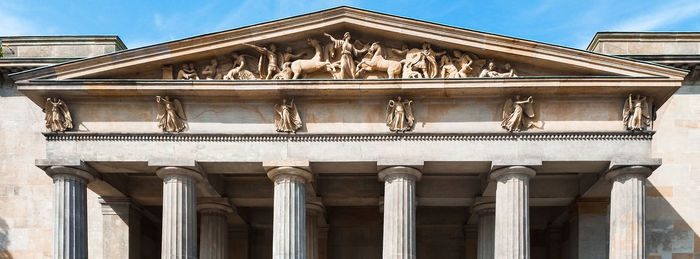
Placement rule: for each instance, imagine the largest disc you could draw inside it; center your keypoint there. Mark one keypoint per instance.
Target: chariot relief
(329, 57)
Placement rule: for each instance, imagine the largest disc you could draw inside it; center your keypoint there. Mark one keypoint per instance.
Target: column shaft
(289, 219)
(512, 235)
(399, 240)
(213, 234)
(179, 233)
(312, 235)
(487, 224)
(70, 217)
(627, 212)
(70, 212)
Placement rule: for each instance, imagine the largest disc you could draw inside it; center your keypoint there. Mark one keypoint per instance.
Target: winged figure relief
(518, 114)
(399, 115)
(287, 117)
(171, 116)
(57, 115)
(635, 113)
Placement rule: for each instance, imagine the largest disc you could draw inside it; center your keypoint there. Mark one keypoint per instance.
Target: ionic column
(512, 236)
(289, 219)
(485, 208)
(314, 210)
(213, 229)
(627, 215)
(70, 212)
(399, 212)
(179, 233)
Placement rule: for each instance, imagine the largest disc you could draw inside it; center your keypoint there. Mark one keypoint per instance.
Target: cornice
(186, 137)
(349, 16)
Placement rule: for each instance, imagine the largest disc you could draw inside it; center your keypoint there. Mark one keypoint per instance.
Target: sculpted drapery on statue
(635, 113)
(287, 117)
(347, 53)
(171, 116)
(399, 115)
(57, 115)
(518, 114)
(342, 59)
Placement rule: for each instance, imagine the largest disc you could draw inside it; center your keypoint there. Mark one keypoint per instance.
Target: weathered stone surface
(289, 223)
(512, 212)
(179, 232)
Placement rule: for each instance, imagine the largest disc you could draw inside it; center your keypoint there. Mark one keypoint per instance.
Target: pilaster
(121, 228)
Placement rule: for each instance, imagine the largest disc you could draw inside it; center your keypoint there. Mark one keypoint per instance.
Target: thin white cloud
(667, 15)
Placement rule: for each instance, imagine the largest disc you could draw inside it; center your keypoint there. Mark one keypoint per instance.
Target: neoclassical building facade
(347, 133)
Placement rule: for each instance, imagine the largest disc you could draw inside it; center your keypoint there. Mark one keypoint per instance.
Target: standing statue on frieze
(636, 114)
(518, 114)
(347, 53)
(171, 116)
(57, 115)
(269, 64)
(287, 117)
(399, 115)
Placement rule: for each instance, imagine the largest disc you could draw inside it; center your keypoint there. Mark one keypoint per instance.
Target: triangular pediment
(401, 40)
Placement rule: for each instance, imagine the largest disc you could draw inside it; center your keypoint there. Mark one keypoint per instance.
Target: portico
(339, 179)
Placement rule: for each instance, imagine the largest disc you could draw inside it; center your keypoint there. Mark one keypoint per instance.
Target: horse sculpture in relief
(305, 66)
(379, 63)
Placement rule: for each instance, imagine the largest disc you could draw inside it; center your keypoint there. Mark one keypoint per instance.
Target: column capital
(214, 204)
(484, 205)
(315, 205)
(400, 170)
(512, 170)
(170, 171)
(56, 170)
(642, 171)
(294, 173)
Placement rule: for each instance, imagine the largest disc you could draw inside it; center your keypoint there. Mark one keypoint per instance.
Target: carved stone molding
(522, 136)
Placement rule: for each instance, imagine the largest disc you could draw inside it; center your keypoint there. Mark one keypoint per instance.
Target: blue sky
(140, 23)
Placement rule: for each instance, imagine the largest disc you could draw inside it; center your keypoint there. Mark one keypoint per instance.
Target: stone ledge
(186, 137)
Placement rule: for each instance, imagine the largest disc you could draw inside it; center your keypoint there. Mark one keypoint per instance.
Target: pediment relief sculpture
(341, 58)
(399, 115)
(57, 116)
(519, 114)
(171, 116)
(287, 117)
(635, 113)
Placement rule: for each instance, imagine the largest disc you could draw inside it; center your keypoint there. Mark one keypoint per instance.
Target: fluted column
(512, 236)
(70, 212)
(485, 208)
(627, 215)
(314, 210)
(213, 229)
(179, 233)
(289, 219)
(399, 212)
